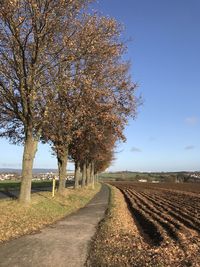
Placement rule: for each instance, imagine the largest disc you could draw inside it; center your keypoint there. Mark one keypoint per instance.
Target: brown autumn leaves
(63, 81)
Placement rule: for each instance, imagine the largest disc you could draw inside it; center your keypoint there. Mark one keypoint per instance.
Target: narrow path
(63, 244)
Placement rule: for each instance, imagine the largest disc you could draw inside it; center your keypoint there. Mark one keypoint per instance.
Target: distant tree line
(168, 177)
(63, 81)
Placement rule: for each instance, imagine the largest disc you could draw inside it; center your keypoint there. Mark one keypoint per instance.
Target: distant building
(142, 181)
(7, 176)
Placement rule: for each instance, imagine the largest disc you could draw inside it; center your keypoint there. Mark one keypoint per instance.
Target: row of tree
(63, 81)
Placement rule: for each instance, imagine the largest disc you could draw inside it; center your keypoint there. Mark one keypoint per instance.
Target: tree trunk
(92, 175)
(96, 177)
(77, 175)
(88, 178)
(83, 175)
(30, 148)
(62, 170)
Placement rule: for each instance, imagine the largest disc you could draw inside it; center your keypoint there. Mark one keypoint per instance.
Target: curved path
(63, 244)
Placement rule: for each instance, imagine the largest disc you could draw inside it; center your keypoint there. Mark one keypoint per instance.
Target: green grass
(128, 176)
(135, 176)
(11, 185)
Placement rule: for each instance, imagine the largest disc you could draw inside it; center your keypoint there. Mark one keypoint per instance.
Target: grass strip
(16, 220)
(12, 185)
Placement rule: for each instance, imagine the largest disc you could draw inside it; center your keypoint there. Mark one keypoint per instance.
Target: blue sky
(165, 57)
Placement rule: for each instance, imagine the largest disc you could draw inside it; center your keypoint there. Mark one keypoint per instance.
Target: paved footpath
(63, 244)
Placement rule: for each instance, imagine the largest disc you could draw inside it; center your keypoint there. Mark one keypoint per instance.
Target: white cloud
(192, 120)
(135, 149)
(189, 147)
(151, 139)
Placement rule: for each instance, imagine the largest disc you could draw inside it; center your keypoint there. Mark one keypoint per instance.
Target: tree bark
(83, 175)
(77, 175)
(92, 175)
(96, 178)
(62, 170)
(30, 148)
(88, 177)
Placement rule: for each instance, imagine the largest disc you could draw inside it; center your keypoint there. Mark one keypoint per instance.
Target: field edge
(113, 243)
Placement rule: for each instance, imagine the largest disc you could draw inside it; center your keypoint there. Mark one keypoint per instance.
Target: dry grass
(117, 237)
(16, 220)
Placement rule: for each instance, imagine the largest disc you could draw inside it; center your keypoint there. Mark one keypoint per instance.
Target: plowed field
(166, 214)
